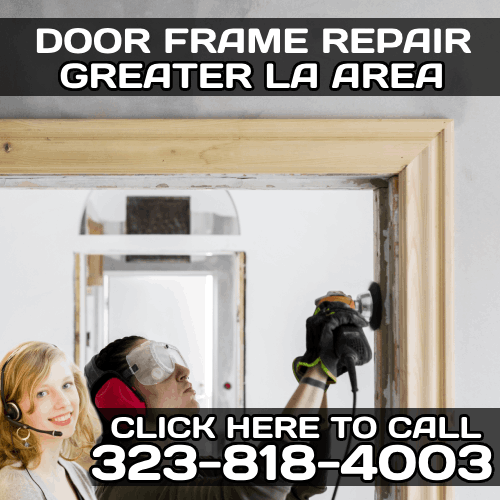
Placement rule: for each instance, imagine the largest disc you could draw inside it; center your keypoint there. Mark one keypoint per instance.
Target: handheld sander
(368, 304)
(352, 347)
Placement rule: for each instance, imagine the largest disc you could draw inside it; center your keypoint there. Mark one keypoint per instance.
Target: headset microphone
(26, 426)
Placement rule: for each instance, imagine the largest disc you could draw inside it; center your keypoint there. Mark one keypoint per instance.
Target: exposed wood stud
(426, 273)
(386, 255)
(386, 233)
(111, 147)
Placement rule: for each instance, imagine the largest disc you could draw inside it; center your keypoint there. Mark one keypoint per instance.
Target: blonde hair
(29, 365)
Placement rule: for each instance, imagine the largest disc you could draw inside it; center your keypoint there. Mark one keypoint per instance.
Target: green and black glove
(320, 338)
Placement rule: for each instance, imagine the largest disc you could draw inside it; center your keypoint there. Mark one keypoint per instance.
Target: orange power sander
(368, 304)
(351, 345)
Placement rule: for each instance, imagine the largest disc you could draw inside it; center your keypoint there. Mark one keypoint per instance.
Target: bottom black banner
(266, 447)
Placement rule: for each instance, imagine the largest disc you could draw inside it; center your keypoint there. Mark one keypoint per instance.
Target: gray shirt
(19, 484)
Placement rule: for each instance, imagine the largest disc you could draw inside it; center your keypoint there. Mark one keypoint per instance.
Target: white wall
(299, 244)
(38, 232)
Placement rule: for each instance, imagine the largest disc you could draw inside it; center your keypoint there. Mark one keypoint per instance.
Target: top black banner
(450, 57)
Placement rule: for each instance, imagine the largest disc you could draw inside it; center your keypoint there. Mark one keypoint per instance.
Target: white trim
(105, 323)
(196, 181)
(83, 309)
(154, 274)
(175, 244)
(210, 318)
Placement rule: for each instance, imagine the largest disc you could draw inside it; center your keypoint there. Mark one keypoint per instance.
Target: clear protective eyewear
(153, 362)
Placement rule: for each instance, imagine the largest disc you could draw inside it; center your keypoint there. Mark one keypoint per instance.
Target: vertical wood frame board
(408, 163)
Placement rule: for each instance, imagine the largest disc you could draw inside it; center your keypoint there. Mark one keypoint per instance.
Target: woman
(46, 424)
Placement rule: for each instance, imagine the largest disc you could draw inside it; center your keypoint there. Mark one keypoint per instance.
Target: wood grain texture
(131, 147)
(426, 272)
(223, 129)
(416, 364)
(447, 347)
(169, 156)
(95, 263)
(427, 359)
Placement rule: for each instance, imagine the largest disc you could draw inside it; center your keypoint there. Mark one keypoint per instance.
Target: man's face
(174, 392)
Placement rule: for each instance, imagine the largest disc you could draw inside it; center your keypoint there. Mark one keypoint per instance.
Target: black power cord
(354, 385)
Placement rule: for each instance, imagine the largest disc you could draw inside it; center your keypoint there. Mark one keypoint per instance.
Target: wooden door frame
(409, 164)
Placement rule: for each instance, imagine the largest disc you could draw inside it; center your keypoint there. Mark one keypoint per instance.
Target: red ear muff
(117, 398)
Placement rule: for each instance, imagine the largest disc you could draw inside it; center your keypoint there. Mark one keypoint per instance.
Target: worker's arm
(307, 395)
(313, 398)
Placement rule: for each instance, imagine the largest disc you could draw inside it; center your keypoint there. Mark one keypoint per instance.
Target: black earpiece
(12, 411)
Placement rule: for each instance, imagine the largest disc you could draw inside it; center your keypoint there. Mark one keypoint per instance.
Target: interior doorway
(194, 304)
(293, 246)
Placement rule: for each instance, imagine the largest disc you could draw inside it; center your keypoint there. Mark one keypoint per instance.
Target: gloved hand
(320, 339)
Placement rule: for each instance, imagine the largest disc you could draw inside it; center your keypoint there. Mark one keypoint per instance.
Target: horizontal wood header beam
(131, 147)
(286, 129)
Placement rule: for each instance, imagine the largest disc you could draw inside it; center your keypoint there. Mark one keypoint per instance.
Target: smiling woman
(46, 424)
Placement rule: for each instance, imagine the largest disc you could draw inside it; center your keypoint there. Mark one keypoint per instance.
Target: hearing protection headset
(12, 411)
(150, 362)
(111, 392)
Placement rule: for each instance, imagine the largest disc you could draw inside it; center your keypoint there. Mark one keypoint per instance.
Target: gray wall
(476, 126)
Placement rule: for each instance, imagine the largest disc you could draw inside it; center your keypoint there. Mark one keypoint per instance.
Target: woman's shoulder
(12, 472)
(15, 484)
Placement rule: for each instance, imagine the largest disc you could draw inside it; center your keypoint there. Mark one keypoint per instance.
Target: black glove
(320, 339)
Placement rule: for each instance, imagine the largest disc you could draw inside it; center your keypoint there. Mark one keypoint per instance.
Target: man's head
(156, 370)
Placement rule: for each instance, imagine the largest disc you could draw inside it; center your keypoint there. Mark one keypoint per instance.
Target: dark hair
(113, 356)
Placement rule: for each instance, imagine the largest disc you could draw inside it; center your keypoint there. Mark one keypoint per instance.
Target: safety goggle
(153, 362)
